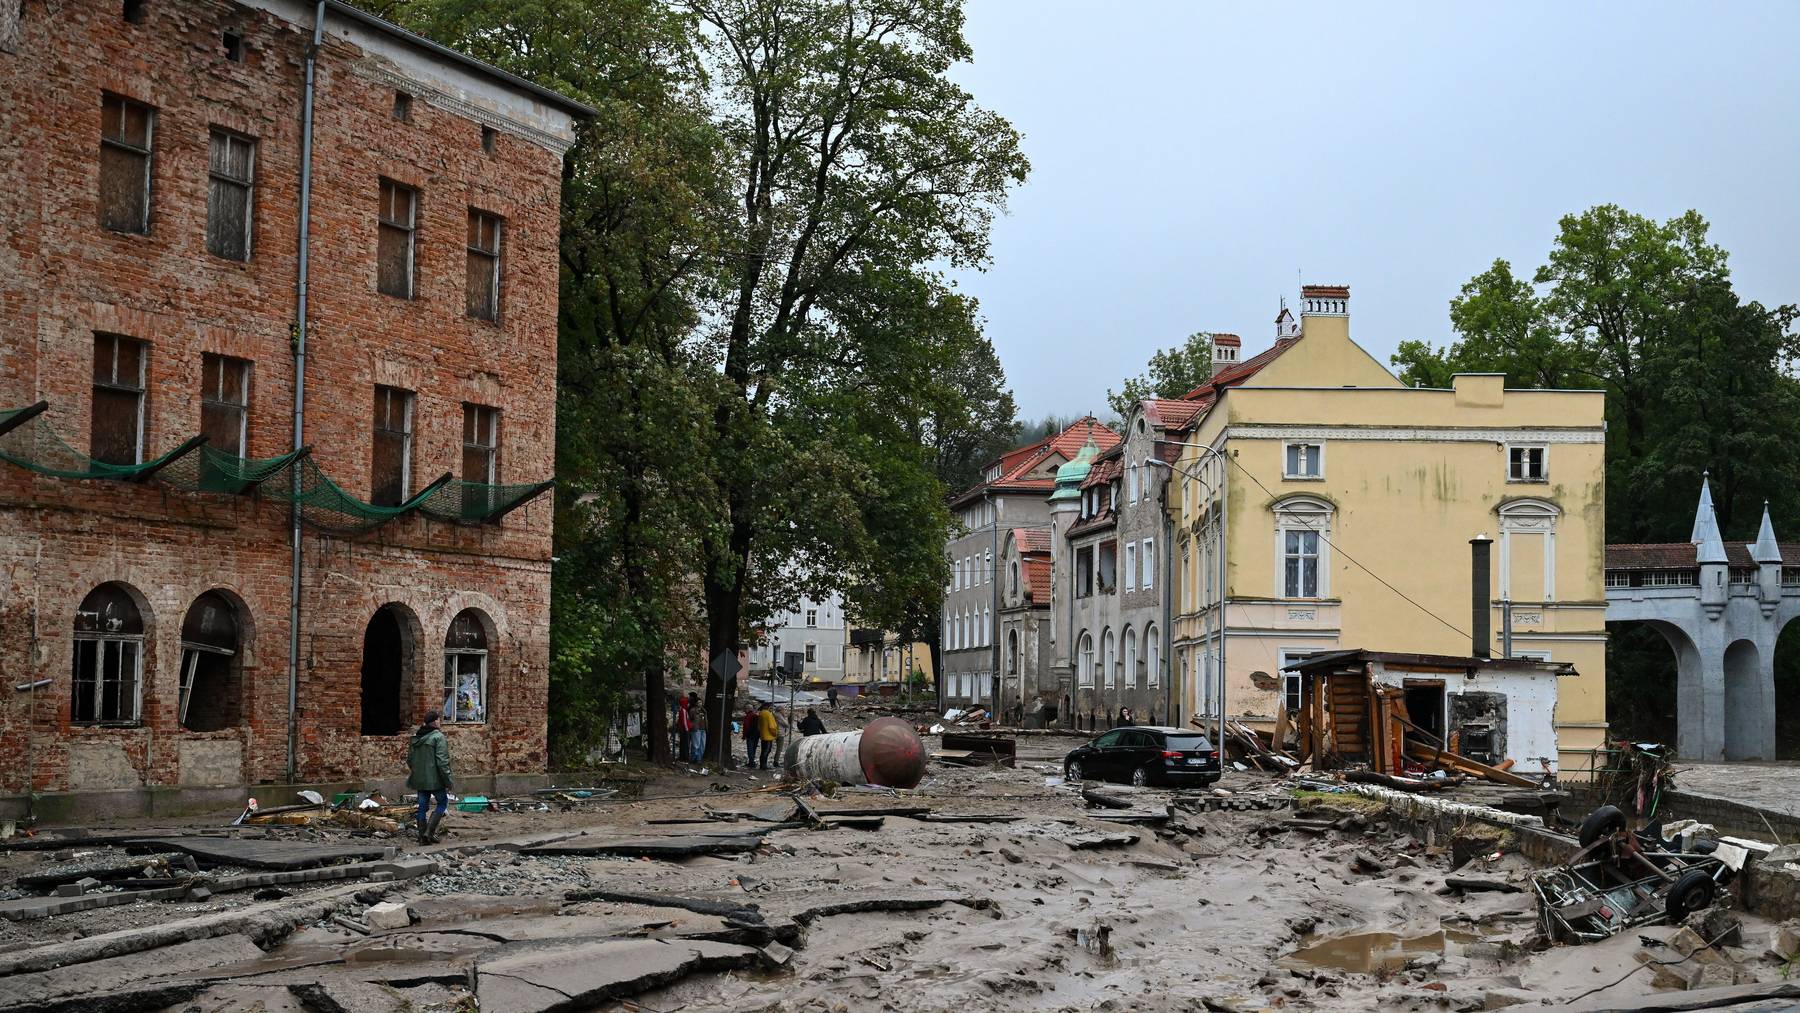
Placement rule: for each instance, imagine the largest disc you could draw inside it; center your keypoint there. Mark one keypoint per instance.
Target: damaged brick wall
(63, 278)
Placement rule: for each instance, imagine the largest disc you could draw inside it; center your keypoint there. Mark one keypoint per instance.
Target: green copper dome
(1070, 476)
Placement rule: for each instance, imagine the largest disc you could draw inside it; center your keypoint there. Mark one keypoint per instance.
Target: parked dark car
(1172, 757)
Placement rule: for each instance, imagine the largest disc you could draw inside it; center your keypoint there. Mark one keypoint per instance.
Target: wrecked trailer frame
(1590, 898)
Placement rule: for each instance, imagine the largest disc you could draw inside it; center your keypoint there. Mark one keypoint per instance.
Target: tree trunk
(724, 621)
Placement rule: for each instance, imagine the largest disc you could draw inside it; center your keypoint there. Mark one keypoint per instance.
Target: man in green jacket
(428, 763)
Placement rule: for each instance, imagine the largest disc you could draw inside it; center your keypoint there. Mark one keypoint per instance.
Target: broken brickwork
(201, 100)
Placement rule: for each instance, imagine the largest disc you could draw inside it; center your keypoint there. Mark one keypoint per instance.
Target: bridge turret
(1767, 553)
(1709, 554)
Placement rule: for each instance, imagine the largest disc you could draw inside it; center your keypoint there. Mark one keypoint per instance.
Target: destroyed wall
(64, 279)
(1517, 710)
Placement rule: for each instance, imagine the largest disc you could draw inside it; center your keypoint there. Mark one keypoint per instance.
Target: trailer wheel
(1692, 892)
(1602, 822)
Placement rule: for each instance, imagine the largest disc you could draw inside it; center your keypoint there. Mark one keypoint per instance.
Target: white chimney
(1225, 348)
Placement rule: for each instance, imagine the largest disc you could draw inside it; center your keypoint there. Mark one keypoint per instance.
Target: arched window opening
(107, 681)
(1107, 658)
(1085, 660)
(211, 693)
(384, 664)
(1131, 658)
(466, 668)
(1152, 656)
(1012, 652)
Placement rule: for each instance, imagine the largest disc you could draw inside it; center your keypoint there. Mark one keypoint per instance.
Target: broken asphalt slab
(682, 846)
(258, 853)
(568, 976)
(126, 975)
(263, 923)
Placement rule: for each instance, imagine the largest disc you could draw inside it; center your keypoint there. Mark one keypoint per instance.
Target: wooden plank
(1468, 766)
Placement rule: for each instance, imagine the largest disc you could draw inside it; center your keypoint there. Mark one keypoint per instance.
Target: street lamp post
(1224, 488)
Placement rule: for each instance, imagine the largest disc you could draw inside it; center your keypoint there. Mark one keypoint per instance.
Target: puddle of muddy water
(1370, 952)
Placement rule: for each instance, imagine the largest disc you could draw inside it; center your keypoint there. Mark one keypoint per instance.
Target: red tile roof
(1019, 462)
(1325, 291)
(1236, 373)
(1173, 413)
(1036, 579)
(1681, 555)
(1228, 340)
(1032, 540)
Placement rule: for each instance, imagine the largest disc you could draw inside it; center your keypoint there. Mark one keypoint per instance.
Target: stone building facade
(148, 295)
(1011, 495)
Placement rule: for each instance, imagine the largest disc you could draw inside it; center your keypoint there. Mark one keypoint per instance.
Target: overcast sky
(1189, 158)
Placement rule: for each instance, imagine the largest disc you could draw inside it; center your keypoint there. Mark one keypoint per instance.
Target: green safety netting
(293, 477)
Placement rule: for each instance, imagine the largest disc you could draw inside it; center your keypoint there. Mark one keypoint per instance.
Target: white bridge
(1721, 608)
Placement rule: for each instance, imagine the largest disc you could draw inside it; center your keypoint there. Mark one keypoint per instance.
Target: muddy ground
(1054, 910)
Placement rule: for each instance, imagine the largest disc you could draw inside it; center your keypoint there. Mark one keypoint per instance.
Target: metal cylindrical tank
(887, 752)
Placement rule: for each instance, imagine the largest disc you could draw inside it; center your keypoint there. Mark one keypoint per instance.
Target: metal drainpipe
(1166, 647)
(1224, 597)
(306, 147)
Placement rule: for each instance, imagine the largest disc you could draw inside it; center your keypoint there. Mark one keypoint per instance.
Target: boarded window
(465, 668)
(394, 252)
(225, 403)
(390, 471)
(230, 168)
(109, 659)
(484, 265)
(117, 432)
(126, 128)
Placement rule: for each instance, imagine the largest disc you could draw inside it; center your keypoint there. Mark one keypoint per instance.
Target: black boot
(431, 832)
(423, 837)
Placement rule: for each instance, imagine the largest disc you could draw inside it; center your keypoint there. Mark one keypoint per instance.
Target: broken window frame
(382, 425)
(481, 460)
(1290, 679)
(483, 264)
(110, 388)
(472, 654)
(124, 642)
(118, 147)
(1106, 566)
(1084, 571)
(397, 222)
(216, 405)
(190, 664)
(222, 179)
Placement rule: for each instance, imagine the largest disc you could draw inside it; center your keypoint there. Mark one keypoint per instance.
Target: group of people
(759, 726)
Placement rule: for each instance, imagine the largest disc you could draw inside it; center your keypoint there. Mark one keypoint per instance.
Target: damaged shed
(1389, 711)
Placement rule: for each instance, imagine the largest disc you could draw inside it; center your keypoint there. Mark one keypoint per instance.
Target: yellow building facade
(1350, 501)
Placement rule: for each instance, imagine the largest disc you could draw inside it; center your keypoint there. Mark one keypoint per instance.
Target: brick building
(150, 279)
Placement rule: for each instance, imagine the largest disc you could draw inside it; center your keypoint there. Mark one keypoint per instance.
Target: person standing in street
(831, 696)
(683, 725)
(697, 715)
(428, 773)
(767, 732)
(811, 725)
(751, 735)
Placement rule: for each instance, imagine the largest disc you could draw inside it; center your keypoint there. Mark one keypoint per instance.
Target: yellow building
(1351, 503)
(875, 656)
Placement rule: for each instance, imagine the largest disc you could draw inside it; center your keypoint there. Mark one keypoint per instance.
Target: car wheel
(1073, 771)
(1692, 892)
(1602, 822)
(1140, 777)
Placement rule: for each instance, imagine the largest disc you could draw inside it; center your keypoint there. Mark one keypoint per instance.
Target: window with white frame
(1148, 556)
(1527, 464)
(1152, 656)
(987, 627)
(1290, 680)
(466, 668)
(1130, 652)
(1304, 460)
(1618, 578)
(1084, 665)
(1528, 550)
(812, 617)
(108, 676)
(987, 575)
(812, 652)
(1187, 572)
(1106, 660)
(1302, 532)
(1131, 566)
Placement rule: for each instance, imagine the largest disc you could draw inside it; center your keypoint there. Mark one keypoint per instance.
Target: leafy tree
(1697, 382)
(640, 200)
(1172, 372)
(856, 161)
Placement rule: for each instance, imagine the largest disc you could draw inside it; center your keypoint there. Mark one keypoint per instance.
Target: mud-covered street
(986, 888)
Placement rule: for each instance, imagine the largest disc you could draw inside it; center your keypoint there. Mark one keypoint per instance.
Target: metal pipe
(888, 752)
(1167, 648)
(993, 624)
(306, 160)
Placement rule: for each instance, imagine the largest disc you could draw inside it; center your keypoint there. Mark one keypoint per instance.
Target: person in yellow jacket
(767, 731)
